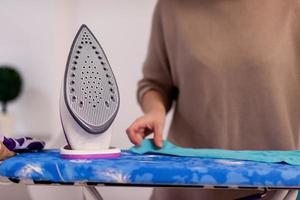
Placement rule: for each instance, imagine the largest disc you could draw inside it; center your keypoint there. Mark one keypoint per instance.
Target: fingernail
(137, 144)
(160, 144)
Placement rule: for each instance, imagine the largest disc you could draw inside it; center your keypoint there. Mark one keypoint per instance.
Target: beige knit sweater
(233, 69)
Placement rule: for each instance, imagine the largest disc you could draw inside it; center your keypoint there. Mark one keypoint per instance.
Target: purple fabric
(9, 143)
(20, 140)
(23, 144)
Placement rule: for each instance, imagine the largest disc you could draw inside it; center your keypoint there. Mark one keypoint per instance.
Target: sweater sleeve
(156, 68)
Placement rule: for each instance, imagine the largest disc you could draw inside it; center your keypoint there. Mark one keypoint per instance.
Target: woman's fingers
(158, 139)
(137, 131)
(140, 136)
(131, 132)
(144, 126)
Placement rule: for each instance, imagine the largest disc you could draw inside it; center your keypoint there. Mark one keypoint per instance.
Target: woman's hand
(152, 122)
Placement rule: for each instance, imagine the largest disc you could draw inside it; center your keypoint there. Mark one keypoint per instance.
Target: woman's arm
(156, 91)
(151, 122)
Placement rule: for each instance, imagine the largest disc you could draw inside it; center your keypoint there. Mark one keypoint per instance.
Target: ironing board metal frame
(95, 194)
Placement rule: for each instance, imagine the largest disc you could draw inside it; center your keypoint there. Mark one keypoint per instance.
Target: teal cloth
(289, 157)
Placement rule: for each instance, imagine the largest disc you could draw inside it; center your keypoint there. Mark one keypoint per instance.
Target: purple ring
(90, 156)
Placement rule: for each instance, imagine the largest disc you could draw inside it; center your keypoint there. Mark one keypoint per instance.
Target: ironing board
(47, 167)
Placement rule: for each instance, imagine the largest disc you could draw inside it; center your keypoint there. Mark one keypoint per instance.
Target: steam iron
(89, 100)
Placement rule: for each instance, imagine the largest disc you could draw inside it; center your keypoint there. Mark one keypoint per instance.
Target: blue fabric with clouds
(150, 169)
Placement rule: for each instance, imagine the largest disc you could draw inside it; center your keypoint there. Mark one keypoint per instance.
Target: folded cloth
(290, 157)
(22, 144)
(4, 152)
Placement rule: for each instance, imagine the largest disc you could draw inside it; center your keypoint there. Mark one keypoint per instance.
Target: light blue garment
(289, 157)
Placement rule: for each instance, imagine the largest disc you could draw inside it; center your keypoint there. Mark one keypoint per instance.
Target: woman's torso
(236, 66)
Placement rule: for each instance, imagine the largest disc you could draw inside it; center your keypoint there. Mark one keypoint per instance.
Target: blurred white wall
(35, 36)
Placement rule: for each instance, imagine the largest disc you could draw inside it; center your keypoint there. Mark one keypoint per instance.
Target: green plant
(10, 85)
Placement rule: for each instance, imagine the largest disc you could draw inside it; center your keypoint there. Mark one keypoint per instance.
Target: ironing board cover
(152, 170)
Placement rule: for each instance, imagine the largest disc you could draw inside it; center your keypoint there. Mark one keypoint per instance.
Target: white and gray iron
(89, 100)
